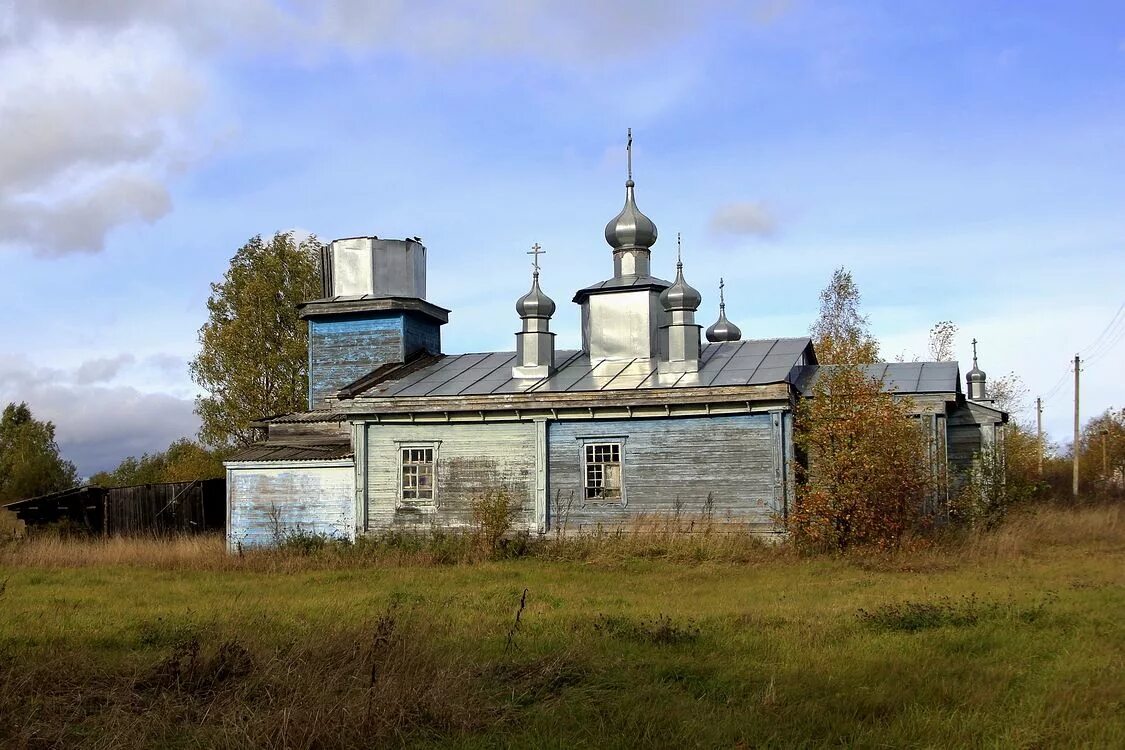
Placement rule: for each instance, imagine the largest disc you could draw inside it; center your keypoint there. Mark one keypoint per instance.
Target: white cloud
(744, 218)
(97, 425)
(91, 128)
(102, 103)
(102, 369)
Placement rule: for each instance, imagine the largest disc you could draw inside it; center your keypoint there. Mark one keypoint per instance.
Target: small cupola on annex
(976, 380)
(622, 316)
(535, 344)
(373, 311)
(722, 329)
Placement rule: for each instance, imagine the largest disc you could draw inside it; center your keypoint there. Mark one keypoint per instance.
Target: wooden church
(651, 415)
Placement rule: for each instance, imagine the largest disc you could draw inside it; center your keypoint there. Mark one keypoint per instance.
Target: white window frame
(413, 502)
(585, 444)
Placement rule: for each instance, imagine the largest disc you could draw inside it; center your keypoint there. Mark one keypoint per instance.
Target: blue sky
(963, 159)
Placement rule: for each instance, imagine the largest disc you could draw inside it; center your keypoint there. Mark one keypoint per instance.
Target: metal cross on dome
(535, 252)
(629, 151)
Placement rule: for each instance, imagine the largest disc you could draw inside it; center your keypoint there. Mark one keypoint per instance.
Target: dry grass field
(1014, 638)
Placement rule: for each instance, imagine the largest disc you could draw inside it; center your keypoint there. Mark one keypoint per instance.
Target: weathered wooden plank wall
(270, 504)
(346, 348)
(670, 464)
(167, 508)
(472, 459)
(420, 334)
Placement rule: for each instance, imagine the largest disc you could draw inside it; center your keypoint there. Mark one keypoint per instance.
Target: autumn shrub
(493, 513)
(865, 478)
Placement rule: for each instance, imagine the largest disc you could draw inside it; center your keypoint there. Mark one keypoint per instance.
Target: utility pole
(1077, 427)
(1039, 431)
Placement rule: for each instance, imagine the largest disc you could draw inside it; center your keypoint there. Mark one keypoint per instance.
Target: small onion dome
(723, 329)
(535, 304)
(681, 295)
(630, 228)
(975, 375)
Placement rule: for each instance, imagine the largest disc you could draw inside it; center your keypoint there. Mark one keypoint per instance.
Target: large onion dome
(630, 228)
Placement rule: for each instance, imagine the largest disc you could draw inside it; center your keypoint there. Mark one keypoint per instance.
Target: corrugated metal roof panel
(293, 452)
(753, 362)
(900, 377)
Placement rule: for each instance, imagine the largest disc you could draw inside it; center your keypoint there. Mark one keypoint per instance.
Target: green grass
(1016, 639)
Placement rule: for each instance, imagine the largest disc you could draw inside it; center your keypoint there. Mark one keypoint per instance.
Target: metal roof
(900, 377)
(282, 451)
(730, 363)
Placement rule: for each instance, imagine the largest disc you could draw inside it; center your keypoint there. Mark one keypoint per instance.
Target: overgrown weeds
(967, 610)
(689, 539)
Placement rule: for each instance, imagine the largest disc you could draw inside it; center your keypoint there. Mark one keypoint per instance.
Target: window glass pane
(417, 473)
(602, 471)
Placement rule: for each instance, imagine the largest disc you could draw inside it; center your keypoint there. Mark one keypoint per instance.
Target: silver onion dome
(681, 295)
(723, 329)
(975, 375)
(630, 228)
(535, 304)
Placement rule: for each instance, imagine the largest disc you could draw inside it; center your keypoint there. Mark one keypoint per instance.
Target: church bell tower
(373, 311)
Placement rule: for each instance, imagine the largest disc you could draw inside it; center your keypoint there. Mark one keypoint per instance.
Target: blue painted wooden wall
(346, 347)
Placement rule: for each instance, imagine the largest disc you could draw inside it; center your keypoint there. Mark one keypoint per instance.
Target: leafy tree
(253, 348)
(1102, 457)
(1003, 476)
(866, 475)
(30, 463)
(184, 460)
(941, 340)
(841, 334)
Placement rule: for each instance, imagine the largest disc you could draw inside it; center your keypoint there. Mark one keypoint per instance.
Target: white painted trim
(322, 464)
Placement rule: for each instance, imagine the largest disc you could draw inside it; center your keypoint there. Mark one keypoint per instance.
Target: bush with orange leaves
(865, 475)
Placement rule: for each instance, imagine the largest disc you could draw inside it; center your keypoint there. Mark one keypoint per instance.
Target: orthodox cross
(629, 152)
(535, 252)
(679, 259)
(974, 351)
(722, 299)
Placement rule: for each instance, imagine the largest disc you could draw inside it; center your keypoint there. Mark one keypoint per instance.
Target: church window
(602, 471)
(417, 474)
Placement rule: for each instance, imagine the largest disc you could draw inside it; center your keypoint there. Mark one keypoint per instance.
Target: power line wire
(1087, 351)
(1109, 347)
